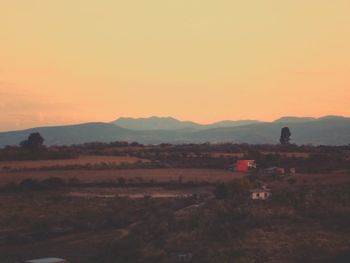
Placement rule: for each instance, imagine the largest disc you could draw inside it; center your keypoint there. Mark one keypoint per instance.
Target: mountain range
(169, 123)
(328, 130)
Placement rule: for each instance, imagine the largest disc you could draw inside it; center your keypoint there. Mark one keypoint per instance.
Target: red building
(245, 165)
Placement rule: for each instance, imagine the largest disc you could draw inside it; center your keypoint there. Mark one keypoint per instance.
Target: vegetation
(285, 135)
(169, 201)
(237, 189)
(33, 143)
(34, 149)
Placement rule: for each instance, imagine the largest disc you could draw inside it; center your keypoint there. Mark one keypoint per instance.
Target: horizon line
(165, 117)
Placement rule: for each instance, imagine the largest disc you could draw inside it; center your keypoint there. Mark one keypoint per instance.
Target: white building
(260, 194)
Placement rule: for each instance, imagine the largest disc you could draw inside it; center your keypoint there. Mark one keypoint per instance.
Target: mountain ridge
(170, 123)
(328, 130)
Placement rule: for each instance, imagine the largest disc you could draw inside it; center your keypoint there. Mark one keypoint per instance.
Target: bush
(53, 183)
(237, 189)
(220, 191)
(30, 185)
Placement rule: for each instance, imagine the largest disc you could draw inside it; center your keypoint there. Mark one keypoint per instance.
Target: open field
(240, 155)
(334, 178)
(140, 192)
(290, 154)
(81, 160)
(157, 175)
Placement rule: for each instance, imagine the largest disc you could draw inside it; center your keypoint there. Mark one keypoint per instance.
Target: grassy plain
(81, 160)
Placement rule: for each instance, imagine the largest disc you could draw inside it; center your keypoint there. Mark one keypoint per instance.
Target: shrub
(53, 182)
(30, 184)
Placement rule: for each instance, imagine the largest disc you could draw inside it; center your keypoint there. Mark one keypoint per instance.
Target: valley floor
(169, 203)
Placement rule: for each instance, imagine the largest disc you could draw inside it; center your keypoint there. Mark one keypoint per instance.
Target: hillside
(322, 131)
(72, 134)
(169, 123)
(155, 123)
(328, 131)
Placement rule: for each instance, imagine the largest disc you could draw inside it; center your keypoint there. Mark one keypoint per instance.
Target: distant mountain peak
(328, 130)
(154, 123)
(153, 118)
(170, 123)
(293, 119)
(332, 117)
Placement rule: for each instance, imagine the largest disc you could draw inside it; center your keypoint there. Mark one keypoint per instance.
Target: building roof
(46, 260)
(260, 190)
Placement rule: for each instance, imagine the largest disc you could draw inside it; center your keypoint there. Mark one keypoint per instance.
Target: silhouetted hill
(222, 124)
(169, 123)
(322, 131)
(155, 123)
(329, 130)
(291, 119)
(71, 134)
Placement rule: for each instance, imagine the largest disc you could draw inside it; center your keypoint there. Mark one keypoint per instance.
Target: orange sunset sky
(71, 61)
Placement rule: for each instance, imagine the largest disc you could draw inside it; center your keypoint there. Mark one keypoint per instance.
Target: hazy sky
(68, 61)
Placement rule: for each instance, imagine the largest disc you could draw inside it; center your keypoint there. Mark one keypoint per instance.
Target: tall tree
(285, 135)
(34, 142)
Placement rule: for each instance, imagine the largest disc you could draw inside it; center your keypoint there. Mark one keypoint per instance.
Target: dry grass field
(81, 160)
(333, 178)
(157, 175)
(240, 155)
(138, 192)
(290, 154)
(222, 154)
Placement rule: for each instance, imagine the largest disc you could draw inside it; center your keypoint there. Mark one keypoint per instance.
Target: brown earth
(158, 175)
(81, 160)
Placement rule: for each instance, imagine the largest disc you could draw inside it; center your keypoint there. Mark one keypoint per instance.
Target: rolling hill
(155, 123)
(169, 123)
(321, 131)
(329, 130)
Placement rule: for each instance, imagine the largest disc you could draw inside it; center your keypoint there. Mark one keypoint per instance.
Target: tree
(236, 189)
(285, 135)
(239, 188)
(34, 142)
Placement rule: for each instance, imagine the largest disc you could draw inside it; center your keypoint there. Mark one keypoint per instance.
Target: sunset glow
(71, 61)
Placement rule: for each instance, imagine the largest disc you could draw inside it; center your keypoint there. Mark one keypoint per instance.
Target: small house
(46, 260)
(260, 194)
(245, 165)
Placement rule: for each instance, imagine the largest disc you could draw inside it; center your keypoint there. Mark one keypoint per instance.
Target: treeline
(115, 148)
(33, 148)
(15, 153)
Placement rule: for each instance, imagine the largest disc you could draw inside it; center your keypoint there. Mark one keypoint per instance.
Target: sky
(72, 61)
